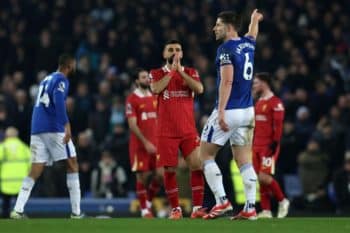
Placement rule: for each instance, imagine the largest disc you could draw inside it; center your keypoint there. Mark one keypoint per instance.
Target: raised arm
(255, 18)
(158, 86)
(195, 85)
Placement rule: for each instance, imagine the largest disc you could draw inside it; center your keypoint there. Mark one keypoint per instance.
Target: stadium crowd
(304, 44)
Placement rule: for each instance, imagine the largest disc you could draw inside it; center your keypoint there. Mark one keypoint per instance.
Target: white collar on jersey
(269, 96)
(140, 94)
(166, 69)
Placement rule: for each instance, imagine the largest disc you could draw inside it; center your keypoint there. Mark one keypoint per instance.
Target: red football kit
(176, 127)
(269, 115)
(144, 108)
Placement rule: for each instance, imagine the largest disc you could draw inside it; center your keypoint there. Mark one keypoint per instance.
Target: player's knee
(264, 179)
(72, 165)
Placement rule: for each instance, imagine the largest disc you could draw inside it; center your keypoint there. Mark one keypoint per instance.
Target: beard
(144, 86)
(170, 59)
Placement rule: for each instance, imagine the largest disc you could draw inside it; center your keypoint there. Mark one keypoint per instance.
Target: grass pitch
(137, 225)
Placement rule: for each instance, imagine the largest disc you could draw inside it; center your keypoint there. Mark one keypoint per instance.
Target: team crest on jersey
(142, 105)
(155, 103)
(264, 107)
(224, 59)
(61, 86)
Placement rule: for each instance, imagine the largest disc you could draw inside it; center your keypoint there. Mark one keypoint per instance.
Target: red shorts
(262, 162)
(140, 160)
(168, 149)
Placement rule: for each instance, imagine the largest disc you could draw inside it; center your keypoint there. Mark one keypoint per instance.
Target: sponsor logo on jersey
(224, 59)
(148, 115)
(260, 117)
(166, 95)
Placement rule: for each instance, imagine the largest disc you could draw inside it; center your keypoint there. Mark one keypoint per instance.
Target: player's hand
(256, 16)
(67, 137)
(223, 126)
(150, 148)
(176, 62)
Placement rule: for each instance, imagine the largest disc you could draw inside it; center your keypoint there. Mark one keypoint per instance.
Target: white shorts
(49, 147)
(241, 127)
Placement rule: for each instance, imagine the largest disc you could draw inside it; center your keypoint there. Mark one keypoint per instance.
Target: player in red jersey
(141, 111)
(269, 114)
(176, 86)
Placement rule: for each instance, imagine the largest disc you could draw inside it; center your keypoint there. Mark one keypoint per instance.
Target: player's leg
(154, 186)
(73, 185)
(269, 184)
(26, 189)
(243, 157)
(40, 156)
(212, 139)
(141, 192)
(168, 150)
(264, 191)
(190, 150)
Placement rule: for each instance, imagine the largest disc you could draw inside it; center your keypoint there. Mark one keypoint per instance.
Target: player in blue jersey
(233, 116)
(51, 136)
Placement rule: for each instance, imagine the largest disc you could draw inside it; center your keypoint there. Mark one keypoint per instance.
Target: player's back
(239, 53)
(47, 117)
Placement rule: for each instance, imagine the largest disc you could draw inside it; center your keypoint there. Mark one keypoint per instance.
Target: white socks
(213, 176)
(73, 186)
(249, 180)
(24, 194)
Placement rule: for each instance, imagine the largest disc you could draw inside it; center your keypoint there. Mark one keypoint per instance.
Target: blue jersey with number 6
(49, 113)
(240, 54)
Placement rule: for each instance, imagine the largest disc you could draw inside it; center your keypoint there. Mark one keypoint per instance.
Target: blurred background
(305, 45)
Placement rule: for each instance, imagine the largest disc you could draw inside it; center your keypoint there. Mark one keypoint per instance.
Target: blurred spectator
(313, 171)
(87, 158)
(341, 182)
(108, 179)
(99, 121)
(14, 167)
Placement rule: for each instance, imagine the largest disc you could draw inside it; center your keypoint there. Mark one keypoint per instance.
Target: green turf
(124, 225)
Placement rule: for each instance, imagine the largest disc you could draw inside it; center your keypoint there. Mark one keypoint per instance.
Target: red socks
(153, 189)
(197, 185)
(265, 197)
(141, 194)
(266, 191)
(171, 188)
(276, 190)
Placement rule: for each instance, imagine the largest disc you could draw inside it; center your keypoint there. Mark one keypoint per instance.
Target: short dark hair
(65, 59)
(172, 41)
(135, 74)
(230, 17)
(265, 77)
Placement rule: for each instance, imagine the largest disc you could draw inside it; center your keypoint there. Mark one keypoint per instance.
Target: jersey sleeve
(195, 75)
(277, 118)
(250, 39)
(155, 75)
(60, 91)
(130, 109)
(225, 55)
